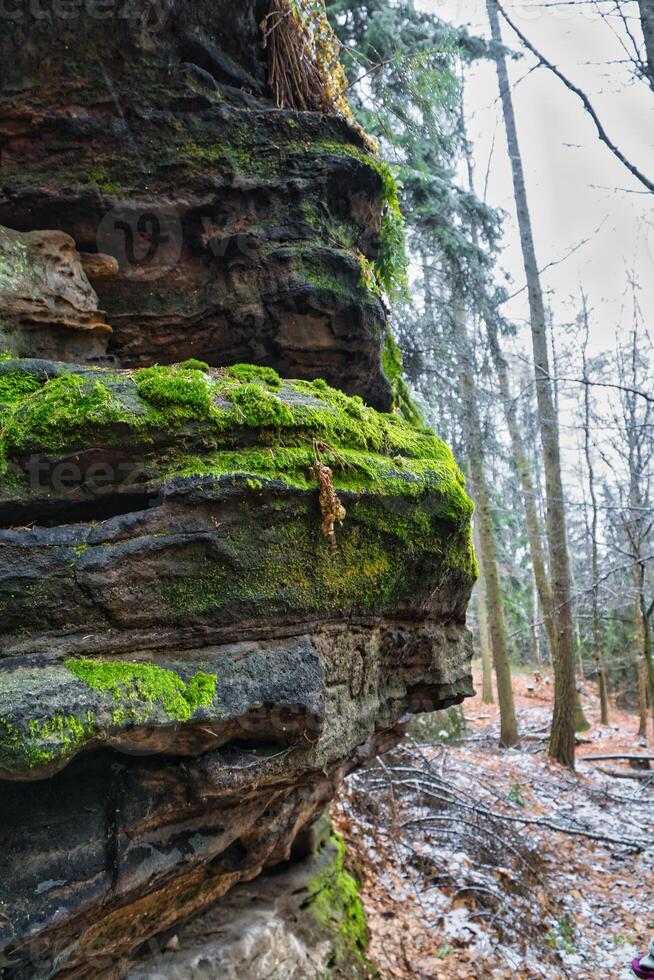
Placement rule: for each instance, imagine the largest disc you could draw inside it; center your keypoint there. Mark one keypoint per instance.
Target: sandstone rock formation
(221, 589)
(47, 305)
(239, 230)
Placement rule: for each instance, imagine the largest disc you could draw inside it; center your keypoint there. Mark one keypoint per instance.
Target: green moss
(16, 384)
(382, 561)
(101, 179)
(44, 742)
(185, 422)
(135, 690)
(394, 370)
(391, 262)
(148, 684)
(250, 372)
(194, 365)
(335, 903)
(59, 412)
(180, 386)
(253, 406)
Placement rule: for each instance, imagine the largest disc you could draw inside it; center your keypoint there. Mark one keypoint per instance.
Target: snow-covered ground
(479, 862)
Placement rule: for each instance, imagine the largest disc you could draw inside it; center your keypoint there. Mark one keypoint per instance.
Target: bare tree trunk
(484, 635)
(636, 527)
(483, 518)
(642, 683)
(643, 650)
(523, 468)
(598, 652)
(581, 722)
(647, 648)
(535, 627)
(562, 739)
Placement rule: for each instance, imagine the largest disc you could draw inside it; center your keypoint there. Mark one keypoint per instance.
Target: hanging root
(304, 71)
(331, 507)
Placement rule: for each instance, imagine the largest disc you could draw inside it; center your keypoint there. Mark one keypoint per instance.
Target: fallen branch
(614, 758)
(548, 825)
(621, 774)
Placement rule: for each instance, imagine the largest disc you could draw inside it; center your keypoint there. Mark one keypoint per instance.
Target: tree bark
(643, 650)
(637, 533)
(598, 652)
(642, 684)
(562, 739)
(523, 468)
(535, 626)
(487, 696)
(483, 519)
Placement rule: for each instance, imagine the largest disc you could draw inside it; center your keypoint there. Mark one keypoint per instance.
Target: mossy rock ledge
(210, 223)
(189, 665)
(202, 631)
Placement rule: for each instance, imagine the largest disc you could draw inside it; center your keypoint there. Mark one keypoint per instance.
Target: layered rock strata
(239, 232)
(168, 593)
(221, 590)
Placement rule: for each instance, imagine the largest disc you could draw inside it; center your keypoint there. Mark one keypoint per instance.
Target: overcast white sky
(571, 176)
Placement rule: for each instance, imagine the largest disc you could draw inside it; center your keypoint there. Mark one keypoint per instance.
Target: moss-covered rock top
(190, 420)
(50, 712)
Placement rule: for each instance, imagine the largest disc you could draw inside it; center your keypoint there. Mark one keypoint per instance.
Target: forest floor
(479, 862)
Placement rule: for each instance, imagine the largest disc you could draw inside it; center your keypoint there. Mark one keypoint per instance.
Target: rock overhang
(189, 664)
(224, 535)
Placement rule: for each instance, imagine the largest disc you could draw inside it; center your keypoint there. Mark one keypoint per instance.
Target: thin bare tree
(562, 736)
(598, 653)
(484, 521)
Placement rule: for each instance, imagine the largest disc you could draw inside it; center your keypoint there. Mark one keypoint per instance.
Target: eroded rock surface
(240, 231)
(189, 665)
(47, 305)
(280, 926)
(221, 590)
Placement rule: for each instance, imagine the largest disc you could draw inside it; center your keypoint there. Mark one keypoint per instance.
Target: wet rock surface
(238, 230)
(223, 587)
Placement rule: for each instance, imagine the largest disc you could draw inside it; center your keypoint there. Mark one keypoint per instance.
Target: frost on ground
(480, 862)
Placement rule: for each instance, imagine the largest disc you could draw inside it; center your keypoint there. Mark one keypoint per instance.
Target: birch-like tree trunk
(562, 738)
(598, 653)
(483, 518)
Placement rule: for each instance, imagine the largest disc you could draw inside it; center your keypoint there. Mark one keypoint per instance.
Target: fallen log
(615, 758)
(622, 774)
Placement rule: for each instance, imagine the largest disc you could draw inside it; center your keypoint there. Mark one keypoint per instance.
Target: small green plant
(562, 937)
(516, 795)
(101, 179)
(391, 264)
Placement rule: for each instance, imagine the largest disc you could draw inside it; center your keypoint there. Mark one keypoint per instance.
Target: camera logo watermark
(146, 242)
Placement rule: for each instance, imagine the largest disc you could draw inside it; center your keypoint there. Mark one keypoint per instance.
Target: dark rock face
(220, 591)
(238, 229)
(273, 927)
(188, 664)
(144, 843)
